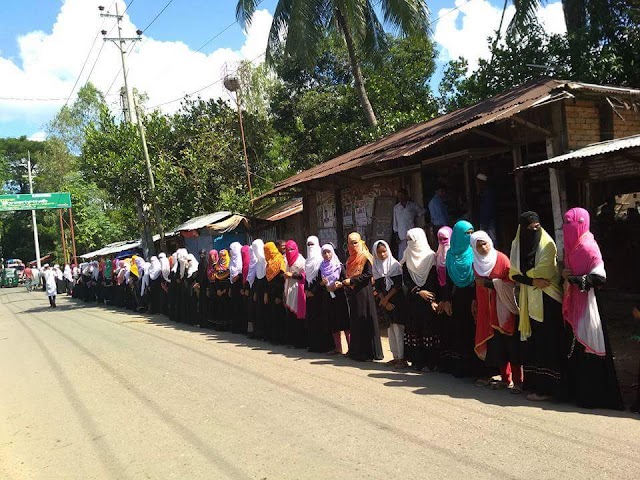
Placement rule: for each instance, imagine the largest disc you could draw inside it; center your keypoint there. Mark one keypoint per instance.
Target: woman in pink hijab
(591, 373)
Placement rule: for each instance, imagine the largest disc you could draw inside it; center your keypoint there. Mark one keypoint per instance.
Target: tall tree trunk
(575, 18)
(357, 72)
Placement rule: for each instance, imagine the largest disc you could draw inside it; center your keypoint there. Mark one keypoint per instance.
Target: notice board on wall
(382, 222)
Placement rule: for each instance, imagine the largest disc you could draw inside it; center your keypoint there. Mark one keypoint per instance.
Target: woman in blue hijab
(458, 356)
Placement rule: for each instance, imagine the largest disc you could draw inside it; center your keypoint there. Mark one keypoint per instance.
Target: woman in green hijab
(459, 292)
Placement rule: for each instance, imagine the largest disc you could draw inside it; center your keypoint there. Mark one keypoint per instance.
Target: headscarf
(529, 240)
(193, 265)
(182, 257)
(460, 255)
(140, 264)
(358, 255)
(444, 237)
(121, 272)
(246, 260)
(330, 269)
(235, 267)
(292, 253)
(275, 260)
(582, 256)
(540, 262)
(134, 266)
(95, 270)
(108, 269)
(164, 266)
(258, 262)
(174, 262)
(155, 268)
(222, 267)
(294, 297)
(483, 264)
(67, 273)
(212, 262)
(145, 279)
(57, 271)
(314, 259)
(418, 256)
(386, 269)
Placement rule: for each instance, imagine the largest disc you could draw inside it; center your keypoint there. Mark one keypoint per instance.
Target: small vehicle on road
(9, 277)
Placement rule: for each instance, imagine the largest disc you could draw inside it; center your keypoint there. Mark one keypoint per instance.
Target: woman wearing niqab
(275, 314)
(534, 265)
(294, 297)
(319, 338)
(591, 374)
(237, 300)
(365, 335)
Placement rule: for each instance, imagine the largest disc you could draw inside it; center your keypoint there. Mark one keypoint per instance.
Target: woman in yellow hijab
(273, 328)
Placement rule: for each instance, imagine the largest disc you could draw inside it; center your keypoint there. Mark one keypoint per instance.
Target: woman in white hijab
(190, 305)
(319, 337)
(422, 335)
(154, 275)
(68, 278)
(237, 303)
(257, 278)
(387, 277)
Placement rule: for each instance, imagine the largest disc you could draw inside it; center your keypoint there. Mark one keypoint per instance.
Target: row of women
(515, 322)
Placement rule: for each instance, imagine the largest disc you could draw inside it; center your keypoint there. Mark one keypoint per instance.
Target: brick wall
(583, 123)
(629, 126)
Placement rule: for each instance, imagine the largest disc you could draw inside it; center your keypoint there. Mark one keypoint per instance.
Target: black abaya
(275, 313)
(365, 336)
(319, 338)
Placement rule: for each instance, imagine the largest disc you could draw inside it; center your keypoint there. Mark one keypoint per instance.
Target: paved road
(89, 392)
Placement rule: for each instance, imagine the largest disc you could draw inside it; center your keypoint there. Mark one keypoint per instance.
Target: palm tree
(299, 25)
(575, 14)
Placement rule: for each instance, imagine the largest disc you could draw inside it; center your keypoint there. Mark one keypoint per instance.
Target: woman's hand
(427, 296)
(566, 273)
(389, 307)
(446, 308)
(308, 294)
(266, 298)
(324, 282)
(288, 274)
(346, 282)
(384, 301)
(541, 283)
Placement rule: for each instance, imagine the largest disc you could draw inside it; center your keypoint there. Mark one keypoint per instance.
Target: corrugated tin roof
(202, 221)
(597, 149)
(229, 224)
(413, 139)
(281, 210)
(115, 247)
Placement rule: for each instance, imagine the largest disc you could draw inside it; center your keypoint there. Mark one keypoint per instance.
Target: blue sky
(43, 44)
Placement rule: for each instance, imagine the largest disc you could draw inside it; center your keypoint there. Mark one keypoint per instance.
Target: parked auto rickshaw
(9, 277)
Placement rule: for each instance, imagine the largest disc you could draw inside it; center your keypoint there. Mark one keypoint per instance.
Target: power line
(198, 90)
(156, 17)
(223, 30)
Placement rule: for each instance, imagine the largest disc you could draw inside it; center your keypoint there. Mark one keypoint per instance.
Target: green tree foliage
(299, 27)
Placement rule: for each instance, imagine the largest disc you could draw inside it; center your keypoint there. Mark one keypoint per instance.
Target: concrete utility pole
(33, 215)
(131, 116)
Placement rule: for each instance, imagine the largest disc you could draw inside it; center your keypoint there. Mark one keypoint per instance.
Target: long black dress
(458, 333)
(422, 329)
(173, 297)
(335, 310)
(592, 380)
(222, 314)
(238, 306)
(319, 338)
(258, 307)
(203, 294)
(365, 335)
(155, 296)
(275, 313)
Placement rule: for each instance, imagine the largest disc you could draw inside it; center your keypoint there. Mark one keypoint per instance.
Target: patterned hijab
(358, 255)
(212, 262)
(275, 260)
(460, 255)
(222, 267)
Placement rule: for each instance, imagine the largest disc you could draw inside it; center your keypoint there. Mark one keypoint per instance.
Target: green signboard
(36, 201)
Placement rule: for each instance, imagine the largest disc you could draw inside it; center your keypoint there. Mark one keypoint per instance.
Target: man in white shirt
(404, 215)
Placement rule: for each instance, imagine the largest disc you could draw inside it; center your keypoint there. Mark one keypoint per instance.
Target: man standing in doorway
(438, 210)
(404, 215)
(487, 206)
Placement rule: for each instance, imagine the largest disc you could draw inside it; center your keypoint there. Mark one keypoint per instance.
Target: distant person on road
(50, 285)
(438, 209)
(404, 216)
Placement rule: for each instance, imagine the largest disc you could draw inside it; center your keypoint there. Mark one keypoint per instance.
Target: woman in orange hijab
(365, 336)
(275, 314)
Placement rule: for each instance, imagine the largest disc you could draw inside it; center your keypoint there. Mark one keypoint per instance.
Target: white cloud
(38, 137)
(48, 63)
(464, 32)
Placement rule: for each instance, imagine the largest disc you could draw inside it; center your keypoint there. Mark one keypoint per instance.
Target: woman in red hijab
(294, 297)
(365, 342)
(593, 382)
